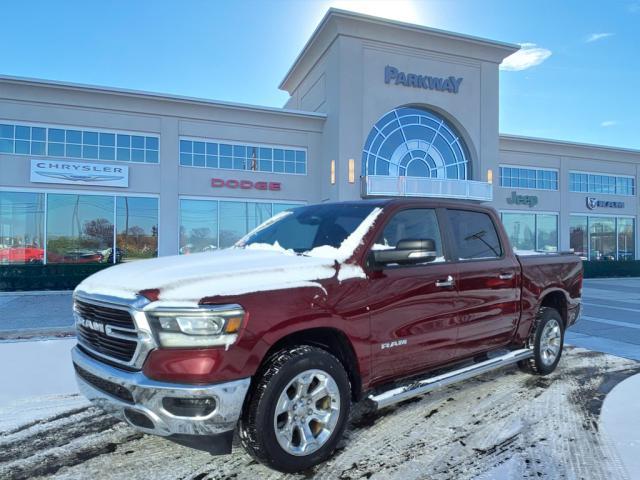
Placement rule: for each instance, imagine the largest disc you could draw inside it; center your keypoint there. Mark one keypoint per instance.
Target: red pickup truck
(319, 307)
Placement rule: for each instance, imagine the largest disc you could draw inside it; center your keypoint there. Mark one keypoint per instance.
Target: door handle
(445, 283)
(505, 276)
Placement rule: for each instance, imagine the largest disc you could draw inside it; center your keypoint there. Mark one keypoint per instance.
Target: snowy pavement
(501, 425)
(34, 368)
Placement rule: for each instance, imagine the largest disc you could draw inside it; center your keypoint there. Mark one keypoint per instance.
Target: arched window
(414, 142)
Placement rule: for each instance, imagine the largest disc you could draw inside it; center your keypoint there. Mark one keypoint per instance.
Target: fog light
(138, 419)
(189, 407)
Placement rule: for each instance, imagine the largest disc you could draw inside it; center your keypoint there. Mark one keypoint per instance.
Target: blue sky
(579, 78)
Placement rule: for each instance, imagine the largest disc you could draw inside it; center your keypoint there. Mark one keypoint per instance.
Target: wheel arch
(333, 341)
(557, 300)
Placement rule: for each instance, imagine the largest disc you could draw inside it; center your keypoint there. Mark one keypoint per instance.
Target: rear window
(475, 235)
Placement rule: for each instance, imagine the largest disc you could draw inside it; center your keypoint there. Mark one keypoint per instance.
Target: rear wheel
(298, 409)
(547, 342)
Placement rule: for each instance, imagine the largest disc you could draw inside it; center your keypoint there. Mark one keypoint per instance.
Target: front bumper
(138, 400)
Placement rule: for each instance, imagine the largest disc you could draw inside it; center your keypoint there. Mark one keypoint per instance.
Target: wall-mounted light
(490, 176)
(352, 170)
(333, 172)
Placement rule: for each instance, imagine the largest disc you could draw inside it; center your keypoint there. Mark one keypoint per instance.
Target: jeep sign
(529, 200)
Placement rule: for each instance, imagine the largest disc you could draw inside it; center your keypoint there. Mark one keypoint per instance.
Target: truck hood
(185, 280)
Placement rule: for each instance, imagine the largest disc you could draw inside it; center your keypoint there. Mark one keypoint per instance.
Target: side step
(420, 387)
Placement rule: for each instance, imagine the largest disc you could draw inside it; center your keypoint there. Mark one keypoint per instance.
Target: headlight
(197, 327)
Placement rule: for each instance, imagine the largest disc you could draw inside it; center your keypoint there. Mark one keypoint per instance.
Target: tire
(281, 440)
(547, 341)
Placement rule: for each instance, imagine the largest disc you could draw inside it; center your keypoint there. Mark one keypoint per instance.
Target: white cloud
(608, 123)
(594, 37)
(528, 56)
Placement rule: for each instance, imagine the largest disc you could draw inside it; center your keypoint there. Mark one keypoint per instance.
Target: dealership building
(377, 108)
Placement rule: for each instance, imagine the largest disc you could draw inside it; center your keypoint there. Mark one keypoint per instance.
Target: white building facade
(377, 108)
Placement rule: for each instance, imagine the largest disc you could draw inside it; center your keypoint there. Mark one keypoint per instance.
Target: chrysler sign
(449, 84)
(76, 173)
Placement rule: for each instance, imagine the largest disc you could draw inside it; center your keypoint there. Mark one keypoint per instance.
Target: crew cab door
(412, 306)
(487, 281)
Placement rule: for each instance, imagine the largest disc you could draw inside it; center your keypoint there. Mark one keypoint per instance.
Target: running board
(420, 387)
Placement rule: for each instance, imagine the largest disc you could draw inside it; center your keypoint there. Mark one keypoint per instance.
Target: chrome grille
(111, 316)
(109, 332)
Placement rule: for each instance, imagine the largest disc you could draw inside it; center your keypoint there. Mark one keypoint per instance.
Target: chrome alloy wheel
(550, 342)
(307, 412)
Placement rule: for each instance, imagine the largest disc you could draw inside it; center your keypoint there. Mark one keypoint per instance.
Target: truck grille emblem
(90, 324)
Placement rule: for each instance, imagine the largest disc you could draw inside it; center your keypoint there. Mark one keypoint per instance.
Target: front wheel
(298, 409)
(547, 341)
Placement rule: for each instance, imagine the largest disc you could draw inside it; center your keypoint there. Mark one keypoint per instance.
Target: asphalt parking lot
(610, 317)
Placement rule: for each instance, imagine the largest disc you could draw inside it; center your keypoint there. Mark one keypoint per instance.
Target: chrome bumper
(148, 398)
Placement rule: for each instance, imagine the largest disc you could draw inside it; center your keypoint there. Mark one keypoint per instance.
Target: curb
(37, 334)
(620, 421)
(36, 293)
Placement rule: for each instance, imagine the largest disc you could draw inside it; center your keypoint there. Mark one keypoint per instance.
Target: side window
(475, 235)
(415, 224)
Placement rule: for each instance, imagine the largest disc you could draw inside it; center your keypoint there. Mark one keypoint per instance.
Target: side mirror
(407, 252)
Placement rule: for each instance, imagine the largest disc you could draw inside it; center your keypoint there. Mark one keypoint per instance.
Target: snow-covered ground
(35, 368)
(502, 425)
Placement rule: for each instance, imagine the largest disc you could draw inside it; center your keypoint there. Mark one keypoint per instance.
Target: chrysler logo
(82, 173)
(80, 178)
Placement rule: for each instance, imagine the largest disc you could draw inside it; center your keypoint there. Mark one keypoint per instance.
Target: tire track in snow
(503, 424)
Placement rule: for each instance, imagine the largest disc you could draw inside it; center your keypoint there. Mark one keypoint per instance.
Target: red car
(320, 307)
(21, 254)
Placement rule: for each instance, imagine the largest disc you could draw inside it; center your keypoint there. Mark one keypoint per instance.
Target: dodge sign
(245, 184)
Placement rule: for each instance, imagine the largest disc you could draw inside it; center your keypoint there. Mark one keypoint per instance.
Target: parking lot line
(589, 304)
(611, 322)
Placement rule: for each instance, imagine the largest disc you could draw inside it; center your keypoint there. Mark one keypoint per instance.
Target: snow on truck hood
(184, 280)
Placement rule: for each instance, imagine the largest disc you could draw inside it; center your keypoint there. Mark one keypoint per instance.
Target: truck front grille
(110, 316)
(106, 331)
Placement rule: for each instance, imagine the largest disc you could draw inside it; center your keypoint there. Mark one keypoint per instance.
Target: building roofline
(567, 143)
(337, 12)
(157, 96)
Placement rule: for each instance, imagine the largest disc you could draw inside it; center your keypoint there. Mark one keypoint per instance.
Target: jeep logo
(529, 200)
(395, 343)
(90, 324)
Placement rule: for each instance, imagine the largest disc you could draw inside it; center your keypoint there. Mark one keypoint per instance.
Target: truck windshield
(305, 228)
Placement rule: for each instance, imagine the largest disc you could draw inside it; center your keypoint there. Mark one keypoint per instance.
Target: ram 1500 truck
(319, 307)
